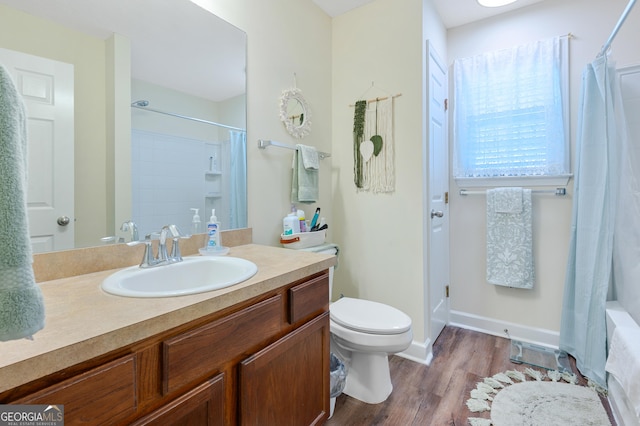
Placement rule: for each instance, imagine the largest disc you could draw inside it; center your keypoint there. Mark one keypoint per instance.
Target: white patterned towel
(509, 238)
(624, 363)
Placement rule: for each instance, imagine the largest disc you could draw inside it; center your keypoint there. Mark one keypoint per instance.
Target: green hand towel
(21, 303)
(304, 182)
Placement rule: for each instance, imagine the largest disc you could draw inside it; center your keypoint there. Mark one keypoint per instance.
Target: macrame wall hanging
(373, 145)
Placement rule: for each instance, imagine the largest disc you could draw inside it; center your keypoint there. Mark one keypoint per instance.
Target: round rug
(540, 403)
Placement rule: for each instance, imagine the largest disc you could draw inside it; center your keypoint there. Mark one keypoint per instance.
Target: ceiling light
(495, 3)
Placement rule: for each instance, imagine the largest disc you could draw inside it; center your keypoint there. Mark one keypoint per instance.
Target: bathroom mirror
(132, 48)
(295, 113)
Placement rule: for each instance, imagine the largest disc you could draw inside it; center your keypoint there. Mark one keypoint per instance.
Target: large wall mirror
(146, 84)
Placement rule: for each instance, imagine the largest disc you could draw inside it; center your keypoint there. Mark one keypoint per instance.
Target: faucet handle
(147, 258)
(175, 232)
(176, 256)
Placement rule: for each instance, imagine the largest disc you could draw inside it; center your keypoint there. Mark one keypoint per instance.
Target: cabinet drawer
(103, 395)
(308, 299)
(200, 352)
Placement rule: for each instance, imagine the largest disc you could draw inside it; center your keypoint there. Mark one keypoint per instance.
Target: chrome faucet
(162, 258)
(130, 225)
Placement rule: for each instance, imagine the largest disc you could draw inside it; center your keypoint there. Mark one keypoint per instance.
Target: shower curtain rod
(144, 105)
(557, 191)
(623, 17)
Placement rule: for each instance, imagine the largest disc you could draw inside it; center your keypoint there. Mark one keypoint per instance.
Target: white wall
(533, 313)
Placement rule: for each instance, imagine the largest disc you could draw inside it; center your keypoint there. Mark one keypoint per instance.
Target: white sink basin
(192, 275)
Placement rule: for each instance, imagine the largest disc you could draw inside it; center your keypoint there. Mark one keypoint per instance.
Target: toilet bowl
(363, 334)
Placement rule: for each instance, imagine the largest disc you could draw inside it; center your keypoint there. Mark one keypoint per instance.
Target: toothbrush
(314, 221)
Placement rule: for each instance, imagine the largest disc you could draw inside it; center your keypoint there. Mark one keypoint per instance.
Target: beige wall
(285, 37)
(35, 36)
(381, 235)
(531, 313)
(335, 61)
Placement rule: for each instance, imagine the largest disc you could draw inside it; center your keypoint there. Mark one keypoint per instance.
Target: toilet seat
(367, 316)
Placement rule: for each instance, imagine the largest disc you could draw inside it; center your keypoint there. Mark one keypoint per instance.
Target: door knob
(435, 213)
(63, 220)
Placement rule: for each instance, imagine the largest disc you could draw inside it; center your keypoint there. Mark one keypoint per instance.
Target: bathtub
(621, 405)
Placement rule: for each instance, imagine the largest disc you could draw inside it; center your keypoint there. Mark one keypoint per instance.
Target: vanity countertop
(83, 322)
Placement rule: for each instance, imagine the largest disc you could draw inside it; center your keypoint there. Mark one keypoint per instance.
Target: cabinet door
(287, 383)
(203, 405)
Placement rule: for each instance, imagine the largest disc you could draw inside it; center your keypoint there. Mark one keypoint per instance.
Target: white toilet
(364, 333)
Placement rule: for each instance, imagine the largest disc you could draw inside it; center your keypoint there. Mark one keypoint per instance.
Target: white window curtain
(511, 112)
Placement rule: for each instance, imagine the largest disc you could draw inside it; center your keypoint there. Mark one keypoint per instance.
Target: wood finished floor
(436, 394)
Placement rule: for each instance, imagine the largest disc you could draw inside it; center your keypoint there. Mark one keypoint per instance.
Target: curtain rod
(263, 144)
(380, 99)
(144, 105)
(623, 17)
(558, 191)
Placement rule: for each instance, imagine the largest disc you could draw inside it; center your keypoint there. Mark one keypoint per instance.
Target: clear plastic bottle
(196, 225)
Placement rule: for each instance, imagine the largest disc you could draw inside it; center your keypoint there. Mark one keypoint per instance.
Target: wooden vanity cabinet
(261, 362)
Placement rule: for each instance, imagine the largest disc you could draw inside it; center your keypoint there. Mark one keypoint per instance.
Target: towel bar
(263, 144)
(558, 191)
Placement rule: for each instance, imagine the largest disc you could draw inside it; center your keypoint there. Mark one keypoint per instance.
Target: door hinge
(446, 290)
(446, 197)
(446, 104)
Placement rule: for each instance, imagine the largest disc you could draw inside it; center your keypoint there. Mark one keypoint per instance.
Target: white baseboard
(423, 352)
(538, 336)
(419, 352)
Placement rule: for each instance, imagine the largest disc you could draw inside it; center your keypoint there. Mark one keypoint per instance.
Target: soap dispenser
(213, 231)
(195, 222)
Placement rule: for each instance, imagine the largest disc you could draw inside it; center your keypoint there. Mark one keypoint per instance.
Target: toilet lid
(369, 317)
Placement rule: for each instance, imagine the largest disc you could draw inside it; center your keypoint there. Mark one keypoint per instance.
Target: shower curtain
(589, 267)
(238, 180)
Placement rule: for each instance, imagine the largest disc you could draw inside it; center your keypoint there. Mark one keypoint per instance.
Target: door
(438, 212)
(47, 89)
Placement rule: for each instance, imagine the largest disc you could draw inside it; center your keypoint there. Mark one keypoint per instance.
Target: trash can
(338, 379)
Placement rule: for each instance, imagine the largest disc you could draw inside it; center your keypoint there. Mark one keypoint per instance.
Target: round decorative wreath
(297, 126)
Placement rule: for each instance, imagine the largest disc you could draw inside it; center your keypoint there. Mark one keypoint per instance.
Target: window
(511, 113)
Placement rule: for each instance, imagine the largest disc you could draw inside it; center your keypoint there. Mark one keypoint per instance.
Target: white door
(438, 212)
(47, 89)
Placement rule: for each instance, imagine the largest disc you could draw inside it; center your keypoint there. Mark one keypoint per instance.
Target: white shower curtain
(589, 267)
(238, 180)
